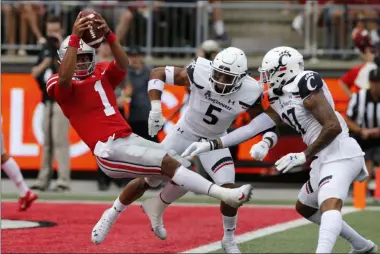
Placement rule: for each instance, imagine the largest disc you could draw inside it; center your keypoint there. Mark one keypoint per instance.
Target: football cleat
(101, 229)
(370, 248)
(26, 201)
(238, 196)
(154, 210)
(230, 246)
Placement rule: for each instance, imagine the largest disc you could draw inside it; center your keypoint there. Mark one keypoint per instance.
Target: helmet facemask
(85, 64)
(273, 77)
(278, 76)
(85, 58)
(222, 81)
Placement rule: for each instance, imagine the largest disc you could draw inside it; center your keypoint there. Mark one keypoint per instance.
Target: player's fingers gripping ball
(81, 24)
(94, 35)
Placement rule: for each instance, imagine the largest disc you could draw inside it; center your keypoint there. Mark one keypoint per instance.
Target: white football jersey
(209, 114)
(289, 106)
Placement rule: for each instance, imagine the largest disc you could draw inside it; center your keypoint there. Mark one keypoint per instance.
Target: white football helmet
(279, 65)
(229, 69)
(82, 69)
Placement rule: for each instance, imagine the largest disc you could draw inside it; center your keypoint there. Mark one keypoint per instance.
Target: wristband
(215, 144)
(110, 37)
(270, 138)
(169, 74)
(74, 41)
(156, 84)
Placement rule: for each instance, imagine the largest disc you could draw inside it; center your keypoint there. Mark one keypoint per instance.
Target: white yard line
(263, 232)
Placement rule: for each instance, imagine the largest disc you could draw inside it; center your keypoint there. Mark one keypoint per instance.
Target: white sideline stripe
(261, 232)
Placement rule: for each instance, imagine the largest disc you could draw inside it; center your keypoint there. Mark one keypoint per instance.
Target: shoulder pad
(252, 92)
(309, 83)
(198, 72)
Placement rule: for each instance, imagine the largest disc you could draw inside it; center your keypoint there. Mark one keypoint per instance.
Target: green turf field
(111, 198)
(304, 239)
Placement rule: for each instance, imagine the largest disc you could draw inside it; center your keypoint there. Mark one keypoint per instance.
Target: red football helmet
(362, 40)
(85, 58)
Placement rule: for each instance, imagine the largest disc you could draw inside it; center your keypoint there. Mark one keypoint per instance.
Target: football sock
(331, 225)
(171, 193)
(219, 27)
(348, 233)
(13, 172)
(117, 208)
(229, 225)
(193, 182)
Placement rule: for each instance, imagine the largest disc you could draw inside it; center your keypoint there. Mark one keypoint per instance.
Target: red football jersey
(358, 77)
(90, 104)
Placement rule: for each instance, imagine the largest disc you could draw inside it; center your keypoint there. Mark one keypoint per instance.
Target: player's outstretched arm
(260, 124)
(118, 52)
(320, 108)
(158, 77)
(260, 150)
(68, 64)
(265, 121)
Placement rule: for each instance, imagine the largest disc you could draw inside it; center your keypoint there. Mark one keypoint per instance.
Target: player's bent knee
(331, 204)
(304, 210)
(152, 182)
(184, 162)
(169, 165)
(4, 158)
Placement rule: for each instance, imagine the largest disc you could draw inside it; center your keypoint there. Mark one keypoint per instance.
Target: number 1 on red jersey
(108, 109)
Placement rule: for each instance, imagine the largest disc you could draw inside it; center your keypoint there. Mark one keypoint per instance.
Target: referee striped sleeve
(352, 110)
(362, 118)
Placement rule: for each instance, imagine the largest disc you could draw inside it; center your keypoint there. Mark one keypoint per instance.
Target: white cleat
(153, 209)
(239, 196)
(101, 229)
(370, 248)
(230, 246)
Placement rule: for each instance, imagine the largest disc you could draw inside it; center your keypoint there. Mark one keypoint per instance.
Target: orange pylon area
(360, 193)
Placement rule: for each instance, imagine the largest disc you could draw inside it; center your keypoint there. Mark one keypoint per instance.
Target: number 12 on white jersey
(108, 109)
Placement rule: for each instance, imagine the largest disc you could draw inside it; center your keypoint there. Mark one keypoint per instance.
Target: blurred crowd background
(172, 27)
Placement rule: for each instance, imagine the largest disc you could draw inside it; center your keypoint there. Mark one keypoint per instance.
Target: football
(93, 36)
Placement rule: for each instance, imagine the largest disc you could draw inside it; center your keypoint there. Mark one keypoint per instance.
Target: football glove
(259, 150)
(289, 161)
(155, 122)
